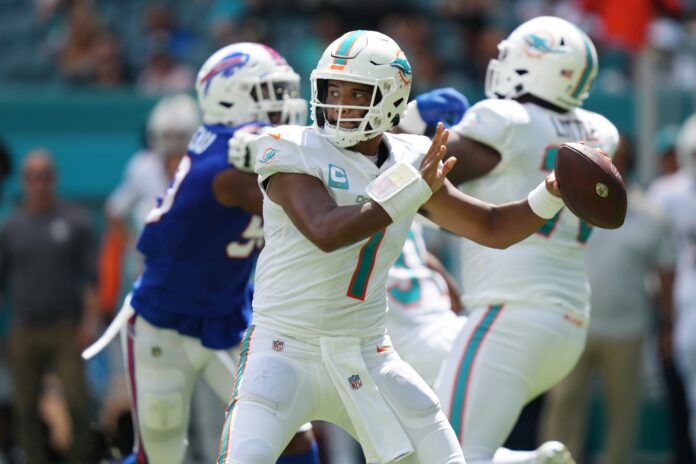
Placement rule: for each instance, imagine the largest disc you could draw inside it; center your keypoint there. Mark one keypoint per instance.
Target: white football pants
(163, 367)
(284, 383)
(505, 356)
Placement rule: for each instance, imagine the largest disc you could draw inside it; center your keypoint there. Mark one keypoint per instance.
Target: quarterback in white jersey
(339, 199)
(529, 303)
(676, 194)
(421, 321)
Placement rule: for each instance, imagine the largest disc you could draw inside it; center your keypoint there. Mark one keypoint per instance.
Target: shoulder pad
(281, 150)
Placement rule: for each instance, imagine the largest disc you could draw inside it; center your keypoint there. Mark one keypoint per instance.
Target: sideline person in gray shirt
(48, 274)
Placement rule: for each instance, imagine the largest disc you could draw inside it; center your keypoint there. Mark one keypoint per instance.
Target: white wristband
(412, 121)
(400, 190)
(543, 203)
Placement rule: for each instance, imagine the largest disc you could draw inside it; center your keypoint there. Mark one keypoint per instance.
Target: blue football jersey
(199, 254)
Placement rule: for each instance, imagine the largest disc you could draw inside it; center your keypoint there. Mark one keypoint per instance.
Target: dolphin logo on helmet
(546, 57)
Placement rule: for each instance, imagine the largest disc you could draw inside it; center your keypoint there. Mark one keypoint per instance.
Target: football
(591, 186)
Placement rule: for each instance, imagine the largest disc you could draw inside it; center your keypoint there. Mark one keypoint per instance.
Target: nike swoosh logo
(383, 348)
(275, 136)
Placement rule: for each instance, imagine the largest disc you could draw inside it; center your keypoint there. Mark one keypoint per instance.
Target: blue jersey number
(181, 171)
(252, 238)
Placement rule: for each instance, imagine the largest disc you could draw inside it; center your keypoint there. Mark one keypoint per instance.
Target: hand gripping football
(591, 186)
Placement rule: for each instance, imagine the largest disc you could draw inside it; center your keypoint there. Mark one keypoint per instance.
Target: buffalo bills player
(193, 301)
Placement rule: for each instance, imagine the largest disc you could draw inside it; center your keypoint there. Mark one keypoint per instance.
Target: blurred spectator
(664, 150)
(428, 69)
(54, 414)
(677, 196)
(6, 394)
(629, 31)
(409, 30)
(226, 18)
(76, 60)
(109, 66)
(159, 21)
(5, 164)
(484, 47)
(302, 51)
(45, 10)
(163, 73)
(47, 270)
(618, 263)
(414, 34)
(166, 47)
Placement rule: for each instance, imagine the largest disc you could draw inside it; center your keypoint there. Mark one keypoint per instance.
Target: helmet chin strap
(334, 134)
(342, 136)
(529, 98)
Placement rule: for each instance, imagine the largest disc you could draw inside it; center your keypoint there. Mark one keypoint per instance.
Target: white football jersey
(417, 294)
(420, 322)
(301, 290)
(676, 194)
(548, 267)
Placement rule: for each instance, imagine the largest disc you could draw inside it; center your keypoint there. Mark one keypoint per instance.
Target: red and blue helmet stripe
(227, 67)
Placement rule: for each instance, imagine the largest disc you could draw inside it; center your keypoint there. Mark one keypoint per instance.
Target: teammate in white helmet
(339, 199)
(169, 128)
(676, 194)
(528, 304)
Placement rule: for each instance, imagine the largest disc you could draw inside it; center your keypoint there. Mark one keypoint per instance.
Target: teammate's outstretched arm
(474, 159)
(315, 213)
(495, 226)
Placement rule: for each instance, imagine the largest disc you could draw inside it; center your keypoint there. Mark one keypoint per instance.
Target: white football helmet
(546, 57)
(685, 145)
(172, 122)
(365, 57)
(244, 82)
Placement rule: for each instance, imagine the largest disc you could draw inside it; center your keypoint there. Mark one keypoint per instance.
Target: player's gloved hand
(242, 148)
(444, 105)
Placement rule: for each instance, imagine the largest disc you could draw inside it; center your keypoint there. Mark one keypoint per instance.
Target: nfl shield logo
(355, 382)
(278, 345)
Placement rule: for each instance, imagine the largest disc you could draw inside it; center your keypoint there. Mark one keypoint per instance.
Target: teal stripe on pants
(224, 438)
(461, 384)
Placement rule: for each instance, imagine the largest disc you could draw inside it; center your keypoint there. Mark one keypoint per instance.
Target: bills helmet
(246, 82)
